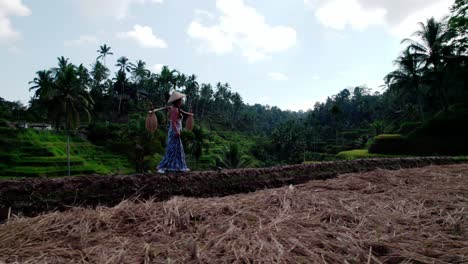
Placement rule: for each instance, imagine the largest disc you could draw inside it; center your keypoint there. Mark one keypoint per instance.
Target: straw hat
(175, 96)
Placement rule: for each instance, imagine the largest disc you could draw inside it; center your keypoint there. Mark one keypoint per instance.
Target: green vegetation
(360, 154)
(31, 153)
(421, 111)
(443, 134)
(389, 144)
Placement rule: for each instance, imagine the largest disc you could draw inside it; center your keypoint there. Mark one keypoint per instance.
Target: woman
(174, 159)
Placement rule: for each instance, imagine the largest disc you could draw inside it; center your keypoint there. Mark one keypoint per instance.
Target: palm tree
(180, 81)
(168, 79)
(104, 51)
(407, 78)
(434, 36)
(139, 72)
(67, 96)
(99, 73)
(124, 66)
(233, 158)
(206, 95)
(431, 51)
(191, 90)
(140, 75)
(42, 84)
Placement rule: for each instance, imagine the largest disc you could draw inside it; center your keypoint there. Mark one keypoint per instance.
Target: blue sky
(288, 53)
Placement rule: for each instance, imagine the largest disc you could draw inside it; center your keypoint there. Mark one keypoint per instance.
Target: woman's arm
(158, 109)
(186, 113)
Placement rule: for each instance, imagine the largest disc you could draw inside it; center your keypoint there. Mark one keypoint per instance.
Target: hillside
(29, 153)
(404, 216)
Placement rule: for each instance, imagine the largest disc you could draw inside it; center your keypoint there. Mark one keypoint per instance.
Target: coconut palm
(42, 84)
(104, 51)
(125, 66)
(432, 50)
(99, 73)
(167, 79)
(459, 24)
(66, 95)
(191, 90)
(434, 36)
(408, 77)
(233, 158)
(139, 72)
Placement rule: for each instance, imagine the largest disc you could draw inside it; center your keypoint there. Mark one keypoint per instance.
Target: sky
(285, 53)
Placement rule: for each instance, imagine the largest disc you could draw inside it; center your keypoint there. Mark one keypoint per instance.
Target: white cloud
(118, 9)
(315, 77)
(407, 26)
(81, 40)
(241, 27)
(144, 36)
(278, 76)
(400, 17)
(204, 13)
(338, 14)
(157, 68)
(11, 8)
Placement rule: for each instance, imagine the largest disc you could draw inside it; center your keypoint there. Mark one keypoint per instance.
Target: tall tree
(99, 73)
(191, 90)
(139, 72)
(67, 97)
(125, 66)
(458, 22)
(168, 79)
(431, 50)
(406, 80)
(104, 51)
(43, 84)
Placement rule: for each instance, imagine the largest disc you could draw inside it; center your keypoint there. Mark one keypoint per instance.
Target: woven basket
(151, 122)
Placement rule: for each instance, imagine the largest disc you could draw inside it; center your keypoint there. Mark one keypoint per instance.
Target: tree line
(429, 77)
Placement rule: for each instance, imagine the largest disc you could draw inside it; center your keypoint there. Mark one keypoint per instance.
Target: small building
(40, 126)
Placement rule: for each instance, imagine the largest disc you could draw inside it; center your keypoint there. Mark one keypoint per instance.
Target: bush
(389, 144)
(358, 154)
(444, 134)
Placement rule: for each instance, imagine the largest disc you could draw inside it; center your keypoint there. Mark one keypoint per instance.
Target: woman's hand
(177, 134)
(187, 113)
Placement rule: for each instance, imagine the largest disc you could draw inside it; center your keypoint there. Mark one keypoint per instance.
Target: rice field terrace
(415, 215)
(29, 153)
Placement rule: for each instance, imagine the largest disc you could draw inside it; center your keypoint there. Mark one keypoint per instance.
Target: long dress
(174, 159)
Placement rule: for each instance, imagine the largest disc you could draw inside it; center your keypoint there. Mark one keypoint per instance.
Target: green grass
(29, 153)
(360, 154)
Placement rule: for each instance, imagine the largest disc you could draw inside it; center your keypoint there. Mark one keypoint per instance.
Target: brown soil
(402, 216)
(30, 197)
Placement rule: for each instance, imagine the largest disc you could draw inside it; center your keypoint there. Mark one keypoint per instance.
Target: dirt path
(401, 216)
(33, 196)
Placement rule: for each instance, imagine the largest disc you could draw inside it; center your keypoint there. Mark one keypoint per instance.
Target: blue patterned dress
(174, 159)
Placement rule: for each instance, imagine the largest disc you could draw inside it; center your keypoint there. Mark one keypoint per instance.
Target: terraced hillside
(30, 153)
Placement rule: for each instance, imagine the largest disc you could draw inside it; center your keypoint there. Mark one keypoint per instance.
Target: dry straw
(405, 216)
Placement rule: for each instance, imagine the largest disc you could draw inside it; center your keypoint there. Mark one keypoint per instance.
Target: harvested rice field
(417, 215)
